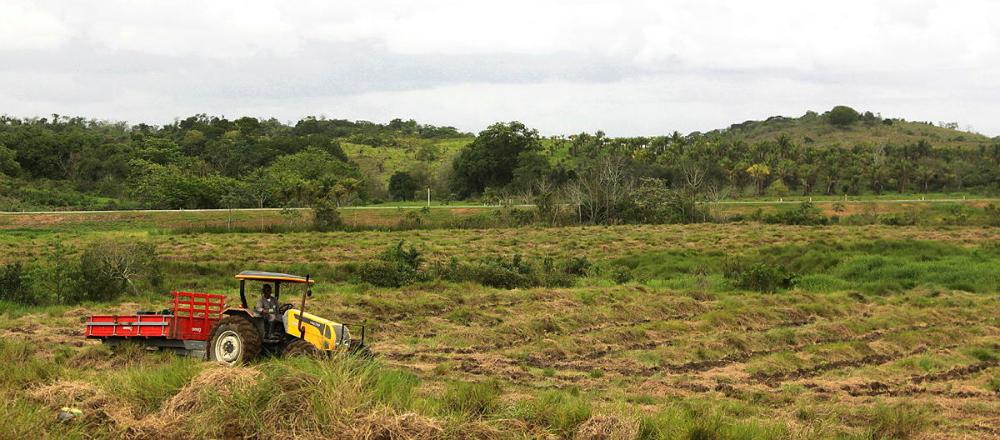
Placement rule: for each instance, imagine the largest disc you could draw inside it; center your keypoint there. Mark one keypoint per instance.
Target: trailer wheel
(234, 341)
(301, 347)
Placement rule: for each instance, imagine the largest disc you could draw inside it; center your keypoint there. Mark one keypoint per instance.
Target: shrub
(384, 274)
(395, 267)
(407, 257)
(805, 214)
(112, 268)
(326, 217)
(654, 202)
(908, 218)
(621, 274)
(576, 266)
(992, 215)
(777, 188)
(503, 274)
(843, 116)
(411, 220)
(760, 277)
(15, 285)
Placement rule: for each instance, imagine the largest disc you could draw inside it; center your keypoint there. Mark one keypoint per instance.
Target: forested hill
(214, 162)
(857, 129)
(201, 161)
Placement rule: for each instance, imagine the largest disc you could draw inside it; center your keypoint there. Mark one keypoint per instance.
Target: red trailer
(183, 328)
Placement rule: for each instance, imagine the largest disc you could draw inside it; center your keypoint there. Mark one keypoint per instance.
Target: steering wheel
(284, 308)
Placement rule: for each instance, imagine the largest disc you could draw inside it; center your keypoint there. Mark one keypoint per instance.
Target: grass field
(888, 332)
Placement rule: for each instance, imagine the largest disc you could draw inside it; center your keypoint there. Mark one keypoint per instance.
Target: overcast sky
(627, 67)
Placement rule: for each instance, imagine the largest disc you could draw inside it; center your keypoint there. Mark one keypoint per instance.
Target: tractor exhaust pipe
(302, 310)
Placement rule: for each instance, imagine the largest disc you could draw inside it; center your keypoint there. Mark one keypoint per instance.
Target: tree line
(214, 162)
(197, 162)
(611, 177)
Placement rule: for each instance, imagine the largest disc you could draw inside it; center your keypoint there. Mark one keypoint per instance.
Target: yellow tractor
(245, 333)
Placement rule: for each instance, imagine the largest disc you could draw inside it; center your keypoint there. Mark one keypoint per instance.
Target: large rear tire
(234, 341)
(303, 348)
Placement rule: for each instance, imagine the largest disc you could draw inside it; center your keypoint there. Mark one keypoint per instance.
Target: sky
(563, 67)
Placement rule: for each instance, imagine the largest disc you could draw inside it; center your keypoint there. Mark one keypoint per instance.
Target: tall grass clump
(22, 366)
(315, 397)
(146, 387)
(898, 422)
(472, 399)
(560, 412)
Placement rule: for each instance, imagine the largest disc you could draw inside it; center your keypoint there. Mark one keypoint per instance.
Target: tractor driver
(267, 307)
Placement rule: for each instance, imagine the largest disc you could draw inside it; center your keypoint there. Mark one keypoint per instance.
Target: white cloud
(26, 26)
(628, 67)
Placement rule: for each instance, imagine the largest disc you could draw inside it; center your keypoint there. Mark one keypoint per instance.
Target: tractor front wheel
(234, 341)
(301, 347)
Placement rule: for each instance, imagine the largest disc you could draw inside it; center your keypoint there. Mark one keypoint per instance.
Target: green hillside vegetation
(213, 162)
(868, 129)
(427, 160)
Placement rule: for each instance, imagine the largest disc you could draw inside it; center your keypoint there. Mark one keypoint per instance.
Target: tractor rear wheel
(234, 341)
(301, 347)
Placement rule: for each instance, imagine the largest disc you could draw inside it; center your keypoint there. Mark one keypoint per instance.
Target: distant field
(889, 332)
(393, 214)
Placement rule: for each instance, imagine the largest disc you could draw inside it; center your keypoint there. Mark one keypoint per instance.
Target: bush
(110, 269)
(516, 273)
(407, 257)
(395, 267)
(653, 202)
(760, 277)
(503, 274)
(411, 220)
(908, 218)
(992, 215)
(843, 116)
(621, 274)
(777, 188)
(805, 214)
(576, 266)
(384, 274)
(15, 285)
(326, 217)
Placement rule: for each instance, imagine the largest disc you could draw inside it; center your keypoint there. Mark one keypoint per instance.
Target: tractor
(244, 333)
(201, 324)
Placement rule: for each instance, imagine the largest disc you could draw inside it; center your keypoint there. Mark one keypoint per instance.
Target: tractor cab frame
(269, 334)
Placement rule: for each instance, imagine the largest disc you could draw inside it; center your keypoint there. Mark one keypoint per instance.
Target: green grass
(471, 399)
(146, 387)
(675, 353)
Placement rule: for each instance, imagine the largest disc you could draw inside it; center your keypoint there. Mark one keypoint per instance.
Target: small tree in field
(326, 217)
(111, 268)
